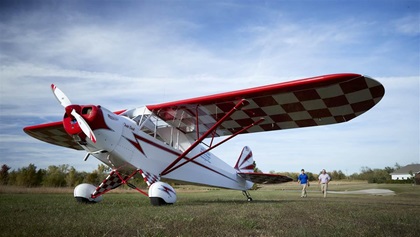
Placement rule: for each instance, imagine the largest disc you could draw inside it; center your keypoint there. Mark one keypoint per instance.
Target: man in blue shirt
(303, 180)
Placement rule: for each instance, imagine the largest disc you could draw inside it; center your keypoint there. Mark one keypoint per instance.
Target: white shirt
(324, 178)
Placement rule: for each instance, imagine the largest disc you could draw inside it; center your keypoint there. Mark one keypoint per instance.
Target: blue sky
(125, 54)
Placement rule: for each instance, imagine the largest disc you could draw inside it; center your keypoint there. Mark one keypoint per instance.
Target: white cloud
(132, 60)
(408, 25)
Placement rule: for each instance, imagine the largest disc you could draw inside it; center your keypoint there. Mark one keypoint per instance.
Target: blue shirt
(303, 178)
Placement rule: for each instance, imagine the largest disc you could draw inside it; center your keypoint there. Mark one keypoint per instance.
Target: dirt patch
(375, 192)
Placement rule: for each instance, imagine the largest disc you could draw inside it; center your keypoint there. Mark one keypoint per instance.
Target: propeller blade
(60, 96)
(84, 126)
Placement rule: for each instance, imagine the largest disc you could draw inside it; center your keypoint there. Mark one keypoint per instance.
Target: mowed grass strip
(215, 212)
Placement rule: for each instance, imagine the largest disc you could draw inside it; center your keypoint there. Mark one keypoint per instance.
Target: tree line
(56, 176)
(366, 174)
(68, 176)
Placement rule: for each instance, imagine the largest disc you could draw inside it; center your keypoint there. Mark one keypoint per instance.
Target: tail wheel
(247, 195)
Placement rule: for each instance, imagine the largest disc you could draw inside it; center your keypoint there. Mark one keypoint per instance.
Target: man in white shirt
(324, 179)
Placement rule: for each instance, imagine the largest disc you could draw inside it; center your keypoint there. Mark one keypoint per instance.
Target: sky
(126, 54)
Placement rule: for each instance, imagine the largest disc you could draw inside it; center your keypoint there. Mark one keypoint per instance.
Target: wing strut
(239, 105)
(218, 144)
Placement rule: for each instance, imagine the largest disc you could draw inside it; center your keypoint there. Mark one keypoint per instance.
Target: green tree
(4, 174)
(73, 178)
(92, 178)
(375, 175)
(55, 176)
(365, 173)
(103, 171)
(389, 170)
(311, 176)
(354, 176)
(337, 175)
(256, 170)
(12, 178)
(98, 175)
(28, 176)
(292, 175)
(379, 176)
(40, 174)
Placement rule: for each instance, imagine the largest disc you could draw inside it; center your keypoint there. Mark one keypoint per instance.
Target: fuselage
(138, 140)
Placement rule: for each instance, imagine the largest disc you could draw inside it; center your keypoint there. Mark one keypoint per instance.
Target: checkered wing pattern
(308, 102)
(112, 181)
(52, 133)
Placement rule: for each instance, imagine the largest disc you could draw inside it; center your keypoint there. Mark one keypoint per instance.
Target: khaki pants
(324, 188)
(304, 186)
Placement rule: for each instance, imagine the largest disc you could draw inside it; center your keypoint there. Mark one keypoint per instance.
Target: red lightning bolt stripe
(167, 190)
(136, 143)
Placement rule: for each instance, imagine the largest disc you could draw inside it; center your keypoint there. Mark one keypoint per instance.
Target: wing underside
(315, 101)
(52, 133)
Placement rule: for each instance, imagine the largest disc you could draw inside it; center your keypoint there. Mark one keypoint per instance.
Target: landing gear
(83, 193)
(161, 193)
(247, 195)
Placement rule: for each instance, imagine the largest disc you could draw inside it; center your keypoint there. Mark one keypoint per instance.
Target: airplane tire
(161, 193)
(83, 193)
(157, 201)
(84, 200)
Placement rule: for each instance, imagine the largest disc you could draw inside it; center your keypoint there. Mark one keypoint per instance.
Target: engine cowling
(83, 193)
(161, 193)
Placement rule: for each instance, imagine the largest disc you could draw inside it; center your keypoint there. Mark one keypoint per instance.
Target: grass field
(276, 211)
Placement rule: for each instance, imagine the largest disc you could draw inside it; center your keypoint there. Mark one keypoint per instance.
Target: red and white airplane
(166, 141)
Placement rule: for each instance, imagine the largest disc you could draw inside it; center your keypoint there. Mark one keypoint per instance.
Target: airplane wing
(308, 102)
(52, 133)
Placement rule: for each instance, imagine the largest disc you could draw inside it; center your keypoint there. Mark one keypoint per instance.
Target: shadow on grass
(235, 202)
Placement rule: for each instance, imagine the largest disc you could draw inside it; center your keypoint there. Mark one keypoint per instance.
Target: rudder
(245, 161)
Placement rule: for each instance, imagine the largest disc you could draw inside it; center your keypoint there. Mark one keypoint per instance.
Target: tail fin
(245, 161)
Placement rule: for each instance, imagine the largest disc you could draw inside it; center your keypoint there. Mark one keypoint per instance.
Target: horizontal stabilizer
(264, 178)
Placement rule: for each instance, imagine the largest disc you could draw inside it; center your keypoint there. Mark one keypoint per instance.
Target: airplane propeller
(84, 126)
(65, 102)
(60, 96)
